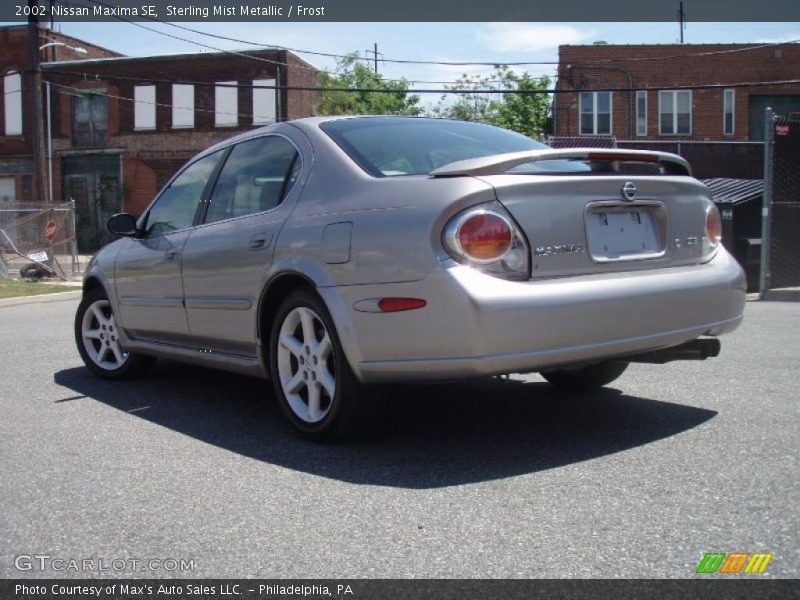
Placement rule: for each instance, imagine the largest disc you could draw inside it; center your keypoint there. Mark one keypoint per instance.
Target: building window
(595, 113)
(226, 105)
(12, 88)
(641, 113)
(675, 112)
(728, 111)
(89, 119)
(182, 106)
(263, 102)
(144, 107)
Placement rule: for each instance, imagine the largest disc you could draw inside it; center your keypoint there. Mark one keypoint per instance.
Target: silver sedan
(328, 253)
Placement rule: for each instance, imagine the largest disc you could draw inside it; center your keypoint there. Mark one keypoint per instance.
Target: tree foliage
(353, 74)
(528, 114)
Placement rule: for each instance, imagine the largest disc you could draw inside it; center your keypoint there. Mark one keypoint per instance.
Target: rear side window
(255, 178)
(395, 146)
(176, 207)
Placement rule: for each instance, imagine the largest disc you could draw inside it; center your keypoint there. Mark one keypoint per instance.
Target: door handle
(171, 254)
(259, 241)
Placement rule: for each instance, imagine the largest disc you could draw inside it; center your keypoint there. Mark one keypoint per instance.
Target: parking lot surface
(485, 479)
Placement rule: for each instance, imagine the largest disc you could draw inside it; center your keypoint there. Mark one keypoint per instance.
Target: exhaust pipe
(699, 349)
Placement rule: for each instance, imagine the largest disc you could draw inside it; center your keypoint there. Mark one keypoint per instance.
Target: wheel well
(90, 284)
(271, 298)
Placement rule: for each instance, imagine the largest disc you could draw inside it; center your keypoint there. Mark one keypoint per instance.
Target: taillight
(485, 237)
(713, 226)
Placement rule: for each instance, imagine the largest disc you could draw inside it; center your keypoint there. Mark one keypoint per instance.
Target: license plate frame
(624, 232)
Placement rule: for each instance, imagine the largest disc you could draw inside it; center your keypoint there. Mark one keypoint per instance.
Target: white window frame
(729, 93)
(224, 94)
(675, 131)
(639, 131)
(594, 113)
(12, 96)
(144, 108)
(182, 106)
(264, 102)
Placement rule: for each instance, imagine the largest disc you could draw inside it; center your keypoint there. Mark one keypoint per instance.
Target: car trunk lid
(585, 211)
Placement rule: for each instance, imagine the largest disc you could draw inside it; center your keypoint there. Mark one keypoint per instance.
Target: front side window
(176, 207)
(595, 113)
(256, 177)
(12, 92)
(675, 112)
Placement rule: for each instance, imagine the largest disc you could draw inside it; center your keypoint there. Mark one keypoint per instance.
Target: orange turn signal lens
(713, 226)
(485, 237)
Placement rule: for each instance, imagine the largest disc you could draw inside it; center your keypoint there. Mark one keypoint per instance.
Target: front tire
(97, 337)
(312, 379)
(588, 377)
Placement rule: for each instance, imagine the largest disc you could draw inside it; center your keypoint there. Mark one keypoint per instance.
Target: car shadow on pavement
(416, 436)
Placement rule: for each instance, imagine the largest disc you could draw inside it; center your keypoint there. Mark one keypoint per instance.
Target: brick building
(710, 114)
(17, 102)
(121, 126)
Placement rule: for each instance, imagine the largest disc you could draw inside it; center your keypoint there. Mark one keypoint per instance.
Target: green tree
(355, 75)
(527, 113)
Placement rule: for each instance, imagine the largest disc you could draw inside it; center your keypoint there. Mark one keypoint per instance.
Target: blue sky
(500, 42)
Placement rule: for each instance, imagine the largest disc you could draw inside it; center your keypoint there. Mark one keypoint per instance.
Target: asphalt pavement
(485, 479)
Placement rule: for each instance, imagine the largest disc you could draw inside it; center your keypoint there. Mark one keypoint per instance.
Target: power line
(420, 62)
(460, 63)
(193, 109)
(99, 77)
(264, 47)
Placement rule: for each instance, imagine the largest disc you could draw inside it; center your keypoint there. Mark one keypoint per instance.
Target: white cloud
(792, 37)
(530, 37)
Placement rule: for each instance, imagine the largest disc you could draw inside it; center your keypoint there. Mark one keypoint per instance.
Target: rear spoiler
(498, 164)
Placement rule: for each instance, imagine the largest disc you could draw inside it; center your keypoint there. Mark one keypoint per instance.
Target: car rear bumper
(477, 325)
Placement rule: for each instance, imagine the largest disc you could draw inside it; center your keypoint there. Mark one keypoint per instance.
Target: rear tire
(313, 381)
(98, 343)
(588, 377)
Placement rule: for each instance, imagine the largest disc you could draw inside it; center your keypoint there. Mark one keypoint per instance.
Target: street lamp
(76, 50)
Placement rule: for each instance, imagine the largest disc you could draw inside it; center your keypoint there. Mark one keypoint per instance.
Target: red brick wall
(150, 157)
(598, 67)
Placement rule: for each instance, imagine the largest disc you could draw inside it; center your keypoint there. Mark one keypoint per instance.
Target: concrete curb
(783, 295)
(40, 298)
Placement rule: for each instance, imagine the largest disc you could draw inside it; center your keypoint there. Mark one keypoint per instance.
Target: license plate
(622, 234)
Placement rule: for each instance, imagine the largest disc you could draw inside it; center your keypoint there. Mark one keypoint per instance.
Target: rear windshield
(396, 146)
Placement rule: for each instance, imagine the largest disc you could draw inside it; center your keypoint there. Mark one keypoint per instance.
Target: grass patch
(10, 288)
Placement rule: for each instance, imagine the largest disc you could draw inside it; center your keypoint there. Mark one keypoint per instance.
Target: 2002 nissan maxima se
(327, 253)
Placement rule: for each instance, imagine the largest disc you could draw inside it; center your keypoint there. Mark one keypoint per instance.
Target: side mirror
(123, 224)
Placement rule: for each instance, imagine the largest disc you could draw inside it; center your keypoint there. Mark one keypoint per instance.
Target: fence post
(76, 261)
(766, 210)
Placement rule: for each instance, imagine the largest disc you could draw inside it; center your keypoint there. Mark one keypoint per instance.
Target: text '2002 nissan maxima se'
(327, 253)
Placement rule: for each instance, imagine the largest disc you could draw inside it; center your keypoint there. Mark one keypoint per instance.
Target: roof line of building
(154, 58)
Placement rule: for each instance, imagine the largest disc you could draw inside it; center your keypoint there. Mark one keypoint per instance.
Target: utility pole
(35, 89)
(375, 54)
(681, 19)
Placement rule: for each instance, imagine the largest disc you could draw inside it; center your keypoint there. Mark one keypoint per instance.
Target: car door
(225, 260)
(148, 268)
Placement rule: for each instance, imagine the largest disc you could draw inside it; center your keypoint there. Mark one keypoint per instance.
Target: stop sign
(50, 231)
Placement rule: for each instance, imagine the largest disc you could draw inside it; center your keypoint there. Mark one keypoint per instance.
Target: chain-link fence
(38, 241)
(780, 263)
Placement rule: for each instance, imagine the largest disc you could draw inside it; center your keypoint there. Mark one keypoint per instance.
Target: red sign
(781, 129)
(50, 231)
